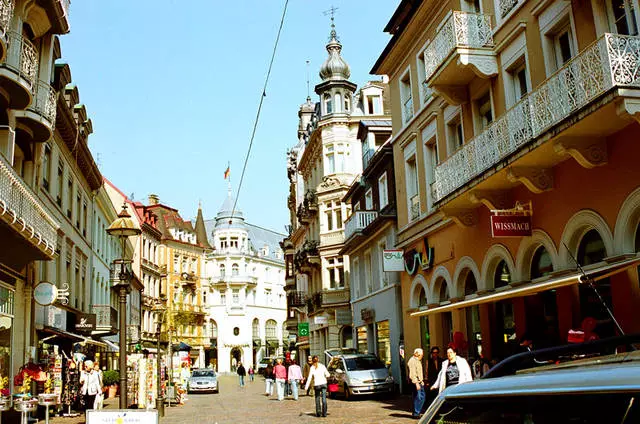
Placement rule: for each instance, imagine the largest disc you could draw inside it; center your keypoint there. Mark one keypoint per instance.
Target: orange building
(504, 102)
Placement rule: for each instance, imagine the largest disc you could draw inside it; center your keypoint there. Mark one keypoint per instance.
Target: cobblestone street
(248, 405)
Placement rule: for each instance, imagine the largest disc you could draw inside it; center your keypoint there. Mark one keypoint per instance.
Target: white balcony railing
(507, 6)
(334, 237)
(22, 57)
(45, 102)
(6, 13)
(460, 29)
(20, 205)
(611, 61)
(358, 221)
(407, 110)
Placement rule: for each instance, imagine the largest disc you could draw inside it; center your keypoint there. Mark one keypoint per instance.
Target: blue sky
(173, 91)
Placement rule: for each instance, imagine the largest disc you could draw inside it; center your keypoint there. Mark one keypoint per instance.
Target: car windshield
(362, 363)
(203, 373)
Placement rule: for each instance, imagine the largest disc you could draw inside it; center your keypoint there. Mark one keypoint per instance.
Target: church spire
(201, 232)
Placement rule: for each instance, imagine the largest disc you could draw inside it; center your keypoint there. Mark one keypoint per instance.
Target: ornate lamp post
(123, 228)
(161, 311)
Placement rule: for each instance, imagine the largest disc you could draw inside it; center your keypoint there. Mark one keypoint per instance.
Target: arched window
(591, 249)
(338, 100)
(470, 284)
(222, 271)
(256, 329)
(502, 276)
(444, 291)
(270, 330)
(541, 264)
(422, 299)
(235, 270)
(213, 329)
(347, 103)
(328, 104)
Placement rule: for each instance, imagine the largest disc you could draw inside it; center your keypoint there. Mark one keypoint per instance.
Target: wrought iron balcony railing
(296, 298)
(358, 221)
(460, 29)
(21, 206)
(611, 61)
(328, 298)
(22, 57)
(6, 13)
(44, 104)
(507, 6)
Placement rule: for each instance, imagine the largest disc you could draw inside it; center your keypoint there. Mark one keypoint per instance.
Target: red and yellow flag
(227, 173)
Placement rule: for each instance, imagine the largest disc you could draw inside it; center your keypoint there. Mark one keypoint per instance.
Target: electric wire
(255, 124)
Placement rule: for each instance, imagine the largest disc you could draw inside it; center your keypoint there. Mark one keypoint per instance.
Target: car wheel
(347, 393)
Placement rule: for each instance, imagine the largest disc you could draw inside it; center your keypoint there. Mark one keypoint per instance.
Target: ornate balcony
(18, 73)
(22, 211)
(461, 50)
(106, 319)
(307, 257)
(308, 208)
(358, 221)
(334, 237)
(6, 14)
(610, 62)
(296, 298)
(235, 279)
(507, 6)
(328, 299)
(188, 307)
(40, 117)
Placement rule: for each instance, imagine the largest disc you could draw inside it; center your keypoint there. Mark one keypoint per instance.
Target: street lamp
(161, 311)
(123, 228)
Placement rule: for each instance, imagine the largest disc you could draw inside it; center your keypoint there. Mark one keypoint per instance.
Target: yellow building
(505, 102)
(181, 254)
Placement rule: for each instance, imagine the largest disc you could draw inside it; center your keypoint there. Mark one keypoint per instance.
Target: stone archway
(234, 358)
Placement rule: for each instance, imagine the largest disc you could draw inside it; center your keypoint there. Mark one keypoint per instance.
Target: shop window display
(383, 337)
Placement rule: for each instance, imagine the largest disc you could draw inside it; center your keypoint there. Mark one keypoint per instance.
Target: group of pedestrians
(440, 375)
(242, 373)
(314, 376)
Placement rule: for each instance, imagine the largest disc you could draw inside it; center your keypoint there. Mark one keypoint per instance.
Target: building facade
(369, 231)
(245, 298)
(479, 125)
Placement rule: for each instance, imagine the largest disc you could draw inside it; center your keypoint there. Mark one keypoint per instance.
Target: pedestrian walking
(268, 379)
(251, 373)
(415, 373)
(241, 373)
(294, 376)
(306, 371)
(90, 381)
(434, 362)
(455, 370)
(318, 373)
(280, 373)
(99, 400)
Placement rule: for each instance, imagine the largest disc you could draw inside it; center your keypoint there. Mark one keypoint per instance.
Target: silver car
(360, 374)
(203, 380)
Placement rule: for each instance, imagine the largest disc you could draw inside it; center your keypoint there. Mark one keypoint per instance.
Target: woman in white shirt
(318, 373)
(91, 385)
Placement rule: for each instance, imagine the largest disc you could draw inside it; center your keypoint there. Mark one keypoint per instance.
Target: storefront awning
(111, 346)
(69, 335)
(526, 289)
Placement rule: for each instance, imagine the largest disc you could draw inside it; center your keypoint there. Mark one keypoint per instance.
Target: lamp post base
(160, 406)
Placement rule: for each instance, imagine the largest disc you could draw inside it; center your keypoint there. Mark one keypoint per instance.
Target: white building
(246, 299)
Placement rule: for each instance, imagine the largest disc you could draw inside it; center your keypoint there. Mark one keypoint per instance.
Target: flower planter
(5, 403)
(25, 404)
(113, 390)
(48, 399)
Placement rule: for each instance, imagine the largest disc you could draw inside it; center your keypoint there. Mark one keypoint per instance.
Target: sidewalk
(109, 403)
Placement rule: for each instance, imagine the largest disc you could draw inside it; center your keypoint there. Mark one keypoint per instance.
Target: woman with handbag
(91, 385)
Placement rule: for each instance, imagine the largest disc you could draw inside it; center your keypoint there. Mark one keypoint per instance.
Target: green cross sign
(303, 329)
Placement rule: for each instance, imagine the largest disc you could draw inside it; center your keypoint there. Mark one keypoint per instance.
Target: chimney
(154, 199)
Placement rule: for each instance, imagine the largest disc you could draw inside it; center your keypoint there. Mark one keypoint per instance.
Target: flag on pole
(227, 173)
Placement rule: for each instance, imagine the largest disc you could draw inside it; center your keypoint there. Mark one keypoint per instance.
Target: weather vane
(332, 12)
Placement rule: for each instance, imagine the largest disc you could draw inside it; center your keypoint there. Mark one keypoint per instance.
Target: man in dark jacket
(241, 373)
(434, 363)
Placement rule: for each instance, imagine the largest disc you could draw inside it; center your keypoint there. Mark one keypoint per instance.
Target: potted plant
(23, 401)
(48, 398)
(5, 399)
(110, 379)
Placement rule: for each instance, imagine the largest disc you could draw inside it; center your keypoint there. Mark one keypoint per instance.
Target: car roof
(609, 374)
(355, 355)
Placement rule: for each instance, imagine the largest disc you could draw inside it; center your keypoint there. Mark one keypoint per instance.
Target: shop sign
(343, 316)
(510, 225)
(45, 293)
(392, 260)
(320, 319)
(367, 315)
(122, 416)
(303, 329)
(86, 323)
(413, 259)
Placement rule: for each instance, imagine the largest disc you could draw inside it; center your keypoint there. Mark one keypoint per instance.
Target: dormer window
(328, 104)
(347, 103)
(374, 105)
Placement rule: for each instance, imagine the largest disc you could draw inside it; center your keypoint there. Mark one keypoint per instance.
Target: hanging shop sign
(303, 329)
(514, 222)
(413, 260)
(320, 319)
(367, 315)
(86, 323)
(45, 293)
(392, 260)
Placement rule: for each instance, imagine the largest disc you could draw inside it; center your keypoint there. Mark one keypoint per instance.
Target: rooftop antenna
(332, 12)
(586, 279)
